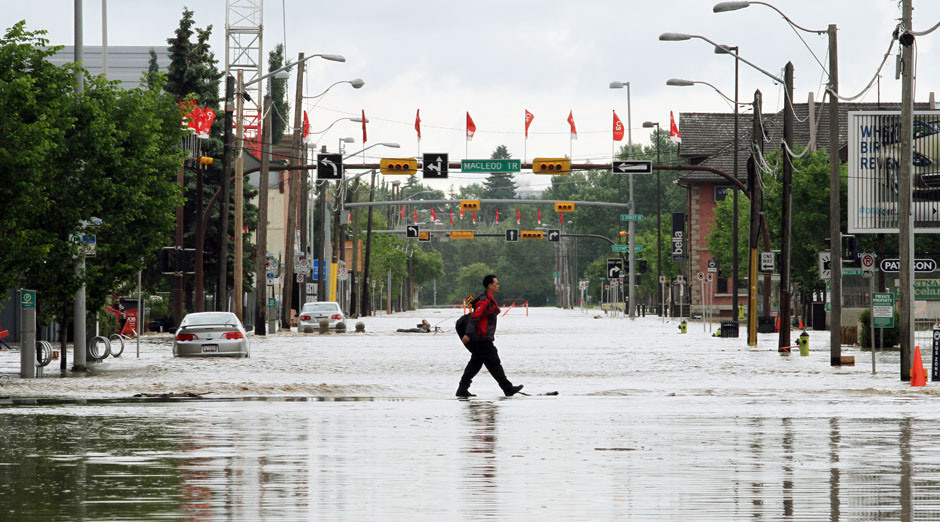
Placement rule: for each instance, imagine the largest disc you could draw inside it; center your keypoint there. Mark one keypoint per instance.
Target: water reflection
(479, 480)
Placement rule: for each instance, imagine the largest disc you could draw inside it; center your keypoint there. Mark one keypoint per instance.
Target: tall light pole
(835, 218)
(784, 339)
(659, 215)
(631, 229)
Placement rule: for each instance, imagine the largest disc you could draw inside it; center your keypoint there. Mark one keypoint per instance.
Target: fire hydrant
(682, 327)
(803, 341)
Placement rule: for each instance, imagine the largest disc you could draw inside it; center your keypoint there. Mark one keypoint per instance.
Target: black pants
(483, 353)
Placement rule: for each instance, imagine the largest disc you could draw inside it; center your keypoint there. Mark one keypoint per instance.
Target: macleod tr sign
(874, 152)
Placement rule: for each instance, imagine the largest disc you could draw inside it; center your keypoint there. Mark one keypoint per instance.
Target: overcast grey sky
(496, 59)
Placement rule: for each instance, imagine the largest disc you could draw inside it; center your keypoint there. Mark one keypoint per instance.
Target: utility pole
(200, 298)
(631, 226)
(239, 204)
(835, 219)
(735, 216)
(754, 187)
(78, 306)
(261, 257)
(905, 203)
(365, 308)
(786, 208)
(221, 299)
(293, 188)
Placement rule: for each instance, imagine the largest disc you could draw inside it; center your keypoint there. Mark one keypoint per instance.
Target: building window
(722, 287)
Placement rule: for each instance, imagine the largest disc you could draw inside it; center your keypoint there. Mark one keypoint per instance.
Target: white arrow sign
(634, 166)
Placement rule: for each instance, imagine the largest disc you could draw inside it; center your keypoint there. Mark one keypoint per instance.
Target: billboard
(873, 160)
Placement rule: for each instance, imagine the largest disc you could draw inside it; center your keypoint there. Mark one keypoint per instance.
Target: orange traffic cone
(917, 372)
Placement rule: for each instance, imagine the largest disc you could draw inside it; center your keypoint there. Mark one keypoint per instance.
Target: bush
(892, 336)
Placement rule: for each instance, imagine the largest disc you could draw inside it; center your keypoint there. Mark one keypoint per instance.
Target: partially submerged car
(210, 334)
(311, 313)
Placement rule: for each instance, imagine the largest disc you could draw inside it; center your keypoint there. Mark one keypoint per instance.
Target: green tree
(153, 71)
(469, 281)
(106, 152)
(192, 68)
(278, 95)
(499, 185)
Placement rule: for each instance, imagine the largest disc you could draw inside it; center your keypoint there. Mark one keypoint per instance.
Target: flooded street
(648, 425)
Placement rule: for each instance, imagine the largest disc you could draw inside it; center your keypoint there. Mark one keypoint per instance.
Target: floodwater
(648, 425)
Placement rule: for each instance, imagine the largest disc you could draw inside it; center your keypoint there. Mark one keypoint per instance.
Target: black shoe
(514, 390)
(465, 394)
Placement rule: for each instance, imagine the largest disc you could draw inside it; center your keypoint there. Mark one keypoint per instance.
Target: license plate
(210, 348)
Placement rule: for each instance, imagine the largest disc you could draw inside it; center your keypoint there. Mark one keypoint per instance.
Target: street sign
(851, 271)
(512, 234)
(434, 166)
(867, 261)
(631, 217)
(300, 278)
(927, 289)
(700, 276)
(825, 265)
(614, 267)
(620, 248)
(766, 261)
(634, 166)
(27, 299)
(311, 289)
(710, 277)
(662, 279)
(712, 266)
(554, 235)
(921, 266)
(272, 302)
(412, 231)
(680, 279)
(316, 270)
(485, 166)
(329, 166)
(883, 307)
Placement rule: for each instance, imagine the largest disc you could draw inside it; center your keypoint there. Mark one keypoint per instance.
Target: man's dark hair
(488, 279)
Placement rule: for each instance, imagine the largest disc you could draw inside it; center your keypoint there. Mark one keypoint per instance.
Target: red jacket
(482, 324)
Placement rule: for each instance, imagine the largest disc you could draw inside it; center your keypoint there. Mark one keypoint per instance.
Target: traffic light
(531, 234)
(398, 165)
(163, 260)
(564, 206)
(205, 161)
(551, 166)
(469, 204)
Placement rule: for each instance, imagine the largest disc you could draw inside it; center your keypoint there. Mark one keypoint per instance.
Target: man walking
(480, 333)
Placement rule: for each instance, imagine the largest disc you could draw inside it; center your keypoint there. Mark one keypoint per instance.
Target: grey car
(311, 314)
(210, 334)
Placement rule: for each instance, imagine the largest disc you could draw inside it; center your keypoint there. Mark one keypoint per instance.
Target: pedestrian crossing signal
(398, 166)
(564, 206)
(551, 166)
(531, 234)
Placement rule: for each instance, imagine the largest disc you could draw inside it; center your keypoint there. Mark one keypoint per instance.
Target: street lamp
(786, 210)
(659, 214)
(835, 228)
(347, 139)
(356, 84)
(676, 82)
(630, 206)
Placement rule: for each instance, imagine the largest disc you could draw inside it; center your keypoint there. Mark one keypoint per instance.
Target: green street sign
(626, 248)
(27, 299)
(631, 217)
(485, 166)
(851, 271)
(272, 302)
(883, 307)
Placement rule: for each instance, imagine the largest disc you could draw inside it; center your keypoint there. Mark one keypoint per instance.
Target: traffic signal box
(530, 234)
(564, 206)
(469, 204)
(205, 161)
(461, 234)
(407, 166)
(560, 166)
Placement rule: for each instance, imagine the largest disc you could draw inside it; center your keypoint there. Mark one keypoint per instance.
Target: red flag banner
(306, 131)
(208, 116)
(402, 212)
(561, 221)
(433, 215)
(539, 218)
(474, 217)
(673, 130)
(618, 128)
(416, 215)
(497, 216)
(452, 217)
(518, 217)
(461, 215)
(471, 128)
(418, 123)
(574, 131)
(363, 126)
(528, 120)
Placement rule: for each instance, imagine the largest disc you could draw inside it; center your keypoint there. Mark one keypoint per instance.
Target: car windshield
(321, 307)
(209, 319)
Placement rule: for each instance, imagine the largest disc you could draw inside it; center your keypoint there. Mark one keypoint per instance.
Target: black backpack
(461, 325)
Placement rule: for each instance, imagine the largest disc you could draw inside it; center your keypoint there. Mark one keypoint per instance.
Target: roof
(708, 138)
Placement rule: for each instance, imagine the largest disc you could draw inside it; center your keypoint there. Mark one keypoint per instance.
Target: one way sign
(633, 166)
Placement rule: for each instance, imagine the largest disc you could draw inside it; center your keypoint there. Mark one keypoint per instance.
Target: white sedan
(311, 314)
(210, 334)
